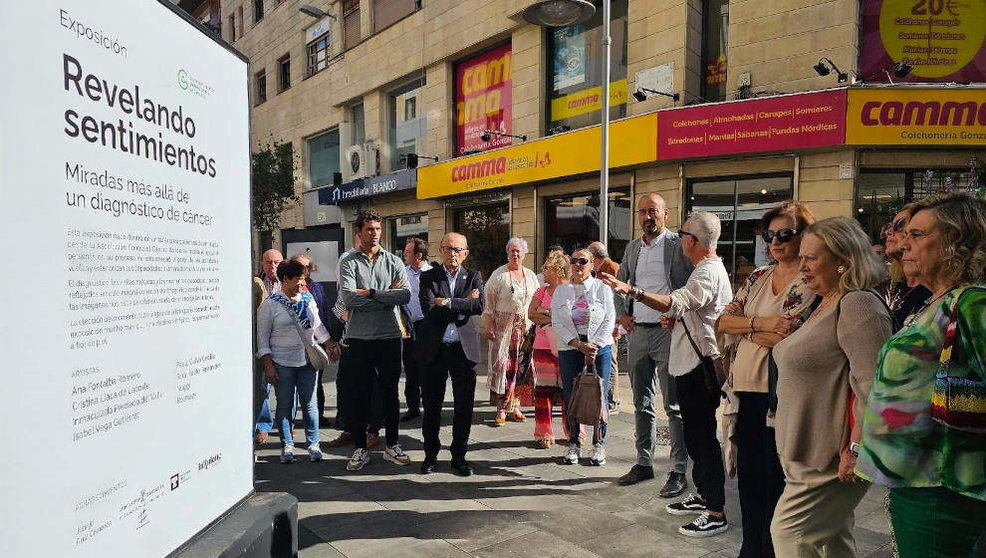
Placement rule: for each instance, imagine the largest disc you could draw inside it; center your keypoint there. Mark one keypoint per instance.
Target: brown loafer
(343, 439)
(372, 440)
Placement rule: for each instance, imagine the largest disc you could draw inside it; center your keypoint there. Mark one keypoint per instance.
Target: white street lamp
(563, 13)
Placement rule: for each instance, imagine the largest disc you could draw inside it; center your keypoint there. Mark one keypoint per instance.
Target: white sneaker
(574, 454)
(315, 452)
(359, 459)
(598, 454)
(395, 454)
(287, 454)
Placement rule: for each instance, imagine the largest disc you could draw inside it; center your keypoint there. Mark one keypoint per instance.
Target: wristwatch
(447, 302)
(854, 448)
(373, 293)
(637, 294)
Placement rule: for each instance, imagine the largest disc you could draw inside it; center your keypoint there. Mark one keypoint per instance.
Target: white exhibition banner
(124, 185)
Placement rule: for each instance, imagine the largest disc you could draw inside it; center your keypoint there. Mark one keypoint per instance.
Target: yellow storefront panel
(632, 141)
(918, 117)
(588, 100)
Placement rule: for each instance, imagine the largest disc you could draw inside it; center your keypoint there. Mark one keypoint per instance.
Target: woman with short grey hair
(509, 291)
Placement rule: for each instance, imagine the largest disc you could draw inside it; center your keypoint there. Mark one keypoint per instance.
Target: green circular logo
(183, 79)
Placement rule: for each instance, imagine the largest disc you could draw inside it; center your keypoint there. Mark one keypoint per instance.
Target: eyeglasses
(454, 249)
(684, 233)
(579, 261)
(782, 235)
(649, 211)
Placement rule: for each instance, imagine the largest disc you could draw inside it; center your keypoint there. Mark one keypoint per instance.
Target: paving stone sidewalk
(521, 501)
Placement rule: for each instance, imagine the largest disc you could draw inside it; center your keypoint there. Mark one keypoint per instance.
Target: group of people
(831, 365)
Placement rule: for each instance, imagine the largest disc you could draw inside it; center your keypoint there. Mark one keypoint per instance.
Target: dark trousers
(451, 361)
(370, 361)
(759, 474)
(412, 375)
(698, 415)
(320, 396)
(344, 398)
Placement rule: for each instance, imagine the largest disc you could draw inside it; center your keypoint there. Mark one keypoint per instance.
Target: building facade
(511, 112)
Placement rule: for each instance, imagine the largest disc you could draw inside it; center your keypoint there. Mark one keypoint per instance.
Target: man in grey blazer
(655, 263)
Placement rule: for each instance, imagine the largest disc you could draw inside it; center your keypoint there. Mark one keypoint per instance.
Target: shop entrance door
(487, 228)
(740, 202)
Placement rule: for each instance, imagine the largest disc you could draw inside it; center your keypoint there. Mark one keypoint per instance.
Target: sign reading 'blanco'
(368, 187)
(124, 157)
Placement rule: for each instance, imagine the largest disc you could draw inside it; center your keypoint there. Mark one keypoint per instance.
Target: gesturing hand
(614, 283)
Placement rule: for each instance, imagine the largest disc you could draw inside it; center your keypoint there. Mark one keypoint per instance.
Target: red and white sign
(774, 124)
(483, 100)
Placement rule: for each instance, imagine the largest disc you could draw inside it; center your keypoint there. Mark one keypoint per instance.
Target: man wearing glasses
(448, 345)
(654, 263)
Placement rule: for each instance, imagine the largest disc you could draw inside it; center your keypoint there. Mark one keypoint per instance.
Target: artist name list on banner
(774, 124)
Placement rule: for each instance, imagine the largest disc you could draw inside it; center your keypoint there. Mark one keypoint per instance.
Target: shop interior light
(641, 94)
(823, 70)
(312, 11)
(559, 13)
(410, 160)
(488, 135)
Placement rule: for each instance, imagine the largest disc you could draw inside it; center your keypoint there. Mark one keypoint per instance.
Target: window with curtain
(575, 72)
(389, 12)
(350, 23)
(323, 158)
(359, 124)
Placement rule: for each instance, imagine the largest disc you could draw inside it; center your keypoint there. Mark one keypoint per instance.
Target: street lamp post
(563, 13)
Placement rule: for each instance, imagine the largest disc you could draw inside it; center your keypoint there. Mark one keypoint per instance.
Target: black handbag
(713, 370)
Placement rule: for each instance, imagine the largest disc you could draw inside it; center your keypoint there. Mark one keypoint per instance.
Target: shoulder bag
(313, 351)
(959, 399)
(713, 371)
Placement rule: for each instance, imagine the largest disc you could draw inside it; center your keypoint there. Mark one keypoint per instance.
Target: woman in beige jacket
(825, 370)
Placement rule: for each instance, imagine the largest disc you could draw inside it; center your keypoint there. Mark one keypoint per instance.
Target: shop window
(284, 68)
(323, 158)
(405, 124)
(318, 54)
(400, 229)
(232, 28)
(880, 193)
(258, 11)
(715, 32)
(740, 202)
(389, 12)
(572, 221)
(574, 80)
(488, 229)
(261, 82)
(350, 23)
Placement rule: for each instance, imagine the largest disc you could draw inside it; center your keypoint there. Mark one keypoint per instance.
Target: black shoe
(674, 486)
(429, 465)
(637, 474)
(461, 467)
(704, 525)
(410, 415)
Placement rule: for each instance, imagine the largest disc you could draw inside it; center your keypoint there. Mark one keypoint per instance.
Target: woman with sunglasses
(583, 317)
(905, 295)
(773, 301)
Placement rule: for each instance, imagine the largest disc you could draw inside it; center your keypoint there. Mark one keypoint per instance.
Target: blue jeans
(571, 364)
(302, 378)
(261, 401)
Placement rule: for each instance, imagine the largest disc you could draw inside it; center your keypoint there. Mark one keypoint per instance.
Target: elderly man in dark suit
(448, 345)
(653, 262)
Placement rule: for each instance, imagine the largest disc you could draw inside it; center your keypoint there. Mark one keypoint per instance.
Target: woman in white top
(583, 317)
(508, 292)
(283, 354)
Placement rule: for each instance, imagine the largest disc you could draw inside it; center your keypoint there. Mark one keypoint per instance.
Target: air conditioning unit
(360, 162)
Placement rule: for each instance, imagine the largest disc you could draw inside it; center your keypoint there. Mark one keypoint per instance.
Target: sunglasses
(683, 233)
(893, 227)
(782, 235)
(579, 261)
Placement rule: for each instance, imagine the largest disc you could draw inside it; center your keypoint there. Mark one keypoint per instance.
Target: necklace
(908, 321)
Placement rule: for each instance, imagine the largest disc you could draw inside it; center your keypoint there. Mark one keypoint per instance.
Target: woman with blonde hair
(933, 456)
(773, 302)
(825, 370)
(547, 379)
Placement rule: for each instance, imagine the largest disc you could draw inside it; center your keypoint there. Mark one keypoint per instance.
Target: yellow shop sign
(587, 100)
(916, 117)
(632, 141)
